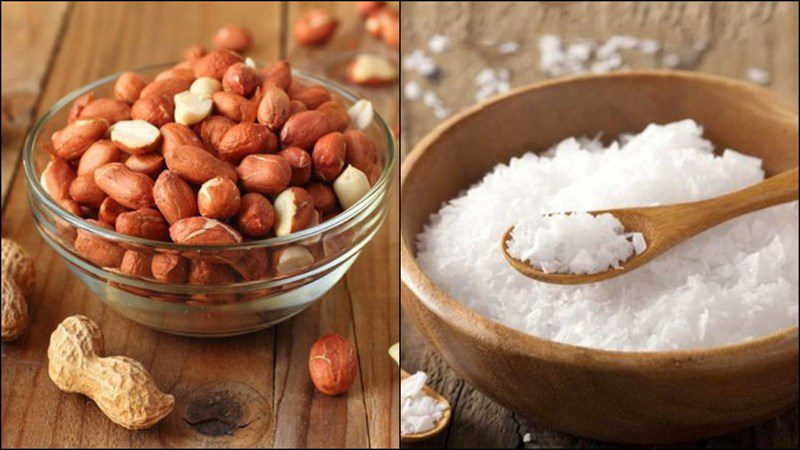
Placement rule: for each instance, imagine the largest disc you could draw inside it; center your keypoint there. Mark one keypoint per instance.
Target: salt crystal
(418, 412)
(439, 43)
(736, 281)
(671, 60)
(412, 90)
(759, 76)
(577, 243)
(526, 438)
(507, 48)
(649, 46)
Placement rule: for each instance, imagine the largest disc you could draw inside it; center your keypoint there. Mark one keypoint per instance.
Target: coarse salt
(439, 43)
(419, 412)
(758, 76)
(732, 283)
(577, 243)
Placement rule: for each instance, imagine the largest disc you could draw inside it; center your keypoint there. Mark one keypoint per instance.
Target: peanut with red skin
(131, 189)
(256, 215)
(332, 364)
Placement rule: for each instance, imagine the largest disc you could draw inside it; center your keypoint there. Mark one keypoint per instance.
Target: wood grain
(738, 36)
(251, 390)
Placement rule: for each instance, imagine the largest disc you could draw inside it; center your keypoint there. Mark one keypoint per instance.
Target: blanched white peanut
(361, 114)
(191, 108)
(205, 86)
(350, 186)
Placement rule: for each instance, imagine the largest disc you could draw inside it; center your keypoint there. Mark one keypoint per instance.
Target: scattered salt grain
(526, 438)
(507, 48)
(759, 76)
(577, 243)
(491, 82)
(439, 43)
(649, 46)
(412, 90)
(729, 284)
(671, 60)
(418, 61)
(419, 412)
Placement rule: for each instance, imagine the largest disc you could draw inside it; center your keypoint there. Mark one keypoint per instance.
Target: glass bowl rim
(38, 194)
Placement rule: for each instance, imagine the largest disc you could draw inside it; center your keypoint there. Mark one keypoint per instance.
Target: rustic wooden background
(258, 384)
(737, 36)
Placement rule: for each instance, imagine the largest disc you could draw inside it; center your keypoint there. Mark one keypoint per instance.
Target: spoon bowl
(664, 227)
(441, 424)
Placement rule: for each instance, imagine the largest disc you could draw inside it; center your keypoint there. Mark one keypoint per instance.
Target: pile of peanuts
(213, 151)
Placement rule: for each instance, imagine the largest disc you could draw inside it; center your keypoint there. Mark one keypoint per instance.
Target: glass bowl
(261, 296)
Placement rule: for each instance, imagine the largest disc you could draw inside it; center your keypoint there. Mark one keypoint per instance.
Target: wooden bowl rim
(766, 349)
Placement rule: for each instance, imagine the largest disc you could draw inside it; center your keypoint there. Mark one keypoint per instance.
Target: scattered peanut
(121, 387)
(332, 364)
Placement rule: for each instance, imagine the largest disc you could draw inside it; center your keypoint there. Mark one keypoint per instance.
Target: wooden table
(736, 37)
(257, 386)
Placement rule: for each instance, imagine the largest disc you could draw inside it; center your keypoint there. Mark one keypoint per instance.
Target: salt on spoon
(664, 227)
(442, 422)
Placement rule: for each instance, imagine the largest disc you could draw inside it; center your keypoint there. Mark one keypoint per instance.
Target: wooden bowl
(631, 397)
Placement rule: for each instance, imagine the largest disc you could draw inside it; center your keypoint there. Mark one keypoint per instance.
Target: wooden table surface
(260, 383)
(737, 36)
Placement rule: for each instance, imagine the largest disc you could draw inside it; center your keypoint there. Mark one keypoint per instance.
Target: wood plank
(738, 36)
(372, 287)
(234, 375)
(30, 36)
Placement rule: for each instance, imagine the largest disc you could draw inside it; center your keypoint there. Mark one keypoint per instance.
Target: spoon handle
(781, 188)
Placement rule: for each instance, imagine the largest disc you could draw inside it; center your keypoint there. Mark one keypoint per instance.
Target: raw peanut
(108, 109)
(98, 154)
(315, 27)
(371, 70)
(332, 364)
(129, 87)
(169, 268)
(218, 198)
(191, 108)
(85, 191)
(146, 223)
(274, 108)
(215, 63)
(205, 86)
(176, 72)
(174, 197)
(15, 310)
(294, 210)
(364, 9)
(78, 105)
(136, 264)
(231, 37)
(360, 114)
(382, 21)
(300, 162)
(240, 79)
(136, 137)
(131, 189)
(56, 178)
(304, 129)
(334, 244)
(18, 266)
(120, 386)
(72, 207)
(296, 107)
(247, 138)
(72, 141)
(157, 110)
(256, 215)
(329, 156)
(361, 152)
(185, 66)
(312, 97)
(336, 113)
(291, 259)
(213, 129)
(277, 74)
(373, 174)
(350, 186)
(204, 273)
(252, 265)
(150, 164)
(203, 231)
(390, 30)
(196, 165)
(193, 53)
(166, 87)
(98, 250)
(323, 196)
(235, 107)
(176, 135)
(265, 174)
(110, 210)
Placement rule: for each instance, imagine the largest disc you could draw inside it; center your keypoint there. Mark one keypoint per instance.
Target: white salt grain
(577, 243)
(726, 285)
(418, 411)
(412, 90)
(439, 43)
(507, 48)
(526, 438)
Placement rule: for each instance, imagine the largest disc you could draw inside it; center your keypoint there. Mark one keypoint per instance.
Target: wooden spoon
(666, 226)
(440, 426)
